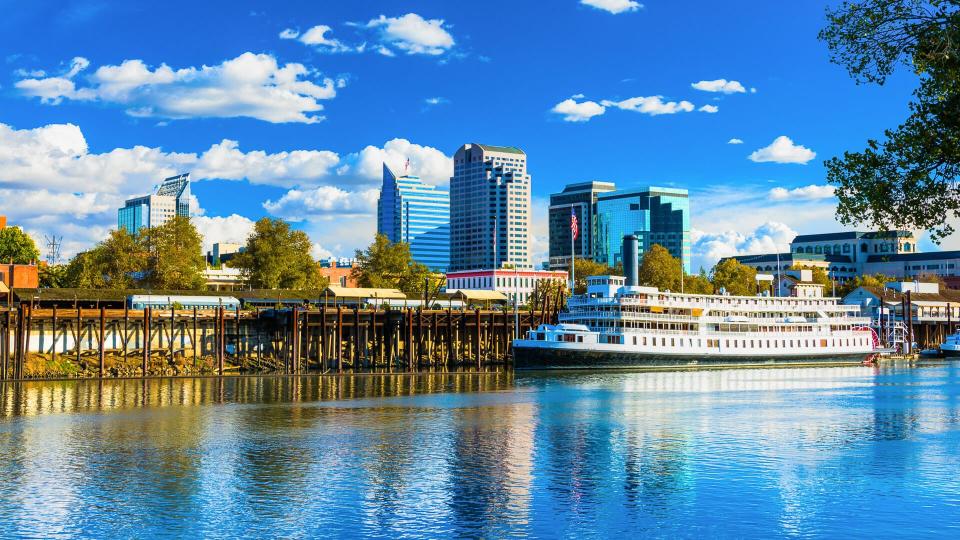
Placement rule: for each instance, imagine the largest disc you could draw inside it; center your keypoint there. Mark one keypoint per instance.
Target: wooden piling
(100, 342)
(144, 368)
(221, 342)
(339, 343)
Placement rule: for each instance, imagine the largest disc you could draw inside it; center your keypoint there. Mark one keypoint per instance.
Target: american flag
(574, 229)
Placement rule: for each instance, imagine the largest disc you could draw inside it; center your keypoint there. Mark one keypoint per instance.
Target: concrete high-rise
(582, 199)
(418, 214)
(171, 199)
(489, 208)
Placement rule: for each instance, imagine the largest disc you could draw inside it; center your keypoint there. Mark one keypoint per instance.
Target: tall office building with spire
(416, 213)
(169, 200)
(489, 208)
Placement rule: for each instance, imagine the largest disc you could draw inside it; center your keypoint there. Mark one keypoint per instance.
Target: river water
(814, 452)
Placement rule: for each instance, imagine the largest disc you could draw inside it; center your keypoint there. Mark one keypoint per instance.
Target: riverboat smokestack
(630, 261)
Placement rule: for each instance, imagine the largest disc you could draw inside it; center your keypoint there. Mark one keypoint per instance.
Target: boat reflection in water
(764, 452)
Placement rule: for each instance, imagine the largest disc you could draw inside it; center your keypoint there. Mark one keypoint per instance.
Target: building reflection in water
(756, 452)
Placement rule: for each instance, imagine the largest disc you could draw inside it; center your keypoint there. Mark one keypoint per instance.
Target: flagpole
(573, 252)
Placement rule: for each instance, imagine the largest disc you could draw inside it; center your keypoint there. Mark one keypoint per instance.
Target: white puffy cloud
(735, 141)
(233, 228)
(366, 166)
(709, 109)
(317, 36)
(710, 247)
(652, 105)
(720, 85)
(61, 188)
(225, 161)
(578, 112)
(810, 192)
(783, 150)
(412, 34)
(250, 85)
(436, 101)
(324, 202)
(613, 6)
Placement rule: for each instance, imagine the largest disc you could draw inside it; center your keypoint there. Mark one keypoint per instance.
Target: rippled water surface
(822, 452)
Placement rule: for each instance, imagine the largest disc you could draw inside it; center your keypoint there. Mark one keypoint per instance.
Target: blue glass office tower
(655, 215)
(416, 213)
(172, 198)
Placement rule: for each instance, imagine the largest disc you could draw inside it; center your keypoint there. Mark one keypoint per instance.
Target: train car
(164, 302)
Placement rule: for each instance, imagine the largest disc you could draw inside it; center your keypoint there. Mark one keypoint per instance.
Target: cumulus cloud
(324, 202)
(233, 228)
(613, 6)
(61, 188)
(709, 109)
(317, 37)
(810, 192)
(720, 85)
(578, 112)
(783, 150)
(710, 247)
(652, 105)
(411, 34)
(735, 141)
(250, 85)
(366, 166)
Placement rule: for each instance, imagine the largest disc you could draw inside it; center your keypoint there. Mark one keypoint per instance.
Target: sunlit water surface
(738, 453)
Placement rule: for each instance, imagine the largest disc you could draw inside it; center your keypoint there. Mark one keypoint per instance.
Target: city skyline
(295, 123)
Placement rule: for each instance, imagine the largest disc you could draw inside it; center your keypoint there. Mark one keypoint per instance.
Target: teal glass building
(416, 213)
(655, 215)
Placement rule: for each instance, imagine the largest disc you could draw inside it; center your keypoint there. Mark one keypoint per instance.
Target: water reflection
(769, 452)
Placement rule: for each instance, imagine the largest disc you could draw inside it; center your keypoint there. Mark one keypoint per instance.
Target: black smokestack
(630, 259)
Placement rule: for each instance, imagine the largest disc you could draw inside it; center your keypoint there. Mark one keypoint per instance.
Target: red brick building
(18, 276)
(338, 275)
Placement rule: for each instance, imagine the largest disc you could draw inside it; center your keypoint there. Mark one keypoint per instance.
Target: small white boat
(951, 346)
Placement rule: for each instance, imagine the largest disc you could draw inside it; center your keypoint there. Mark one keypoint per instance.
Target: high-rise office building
(655, 215)
(489, 208)
(580, 199)
(416, 213)
(171, 198)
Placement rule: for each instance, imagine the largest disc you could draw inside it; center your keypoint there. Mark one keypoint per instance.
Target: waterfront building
(171, 199)
(845, 255)
(418, 214)
(489, 209)
(517, 284)
(579, 199)
(655, 215)
(223, 279)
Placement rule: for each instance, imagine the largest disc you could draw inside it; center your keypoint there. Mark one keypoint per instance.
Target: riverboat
(617, 324)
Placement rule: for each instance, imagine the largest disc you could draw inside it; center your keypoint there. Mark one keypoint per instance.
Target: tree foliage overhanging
(909, 178)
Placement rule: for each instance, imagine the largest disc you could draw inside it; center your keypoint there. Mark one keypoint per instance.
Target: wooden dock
(63, 343)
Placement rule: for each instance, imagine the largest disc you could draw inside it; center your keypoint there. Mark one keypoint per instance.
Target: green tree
(584, 268)
(388, 265)
(660, 269)
(278, 257)
(17, 246)
(737, 279)
(547, 293)
(82, 272)
(53, 276)
(907, 180)
(175, 259)
(698, 284)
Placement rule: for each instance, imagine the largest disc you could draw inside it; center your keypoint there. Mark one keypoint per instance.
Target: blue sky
(287, 108)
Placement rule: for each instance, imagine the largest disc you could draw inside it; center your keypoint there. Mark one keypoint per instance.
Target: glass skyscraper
(580, 199)
(171, 199)
(418, 214)
(655, 215)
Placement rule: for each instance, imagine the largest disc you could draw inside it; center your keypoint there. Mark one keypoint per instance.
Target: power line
(54, 243)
